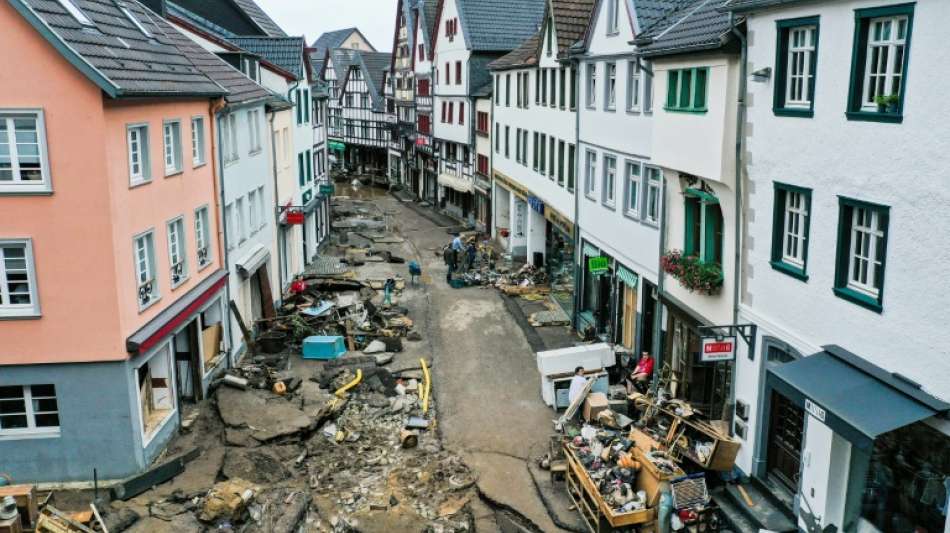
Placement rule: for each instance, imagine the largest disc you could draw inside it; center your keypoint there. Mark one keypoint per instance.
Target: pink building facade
(113, 303)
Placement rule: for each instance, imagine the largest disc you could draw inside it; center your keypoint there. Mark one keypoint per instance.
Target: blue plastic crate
(323, 347)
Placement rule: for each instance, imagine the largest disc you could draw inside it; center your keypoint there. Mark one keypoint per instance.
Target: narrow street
(485, 377)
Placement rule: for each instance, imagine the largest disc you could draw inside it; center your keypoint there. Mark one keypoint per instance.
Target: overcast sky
(375, 18)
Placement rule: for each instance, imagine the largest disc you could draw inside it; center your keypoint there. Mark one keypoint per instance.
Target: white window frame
(793, 230)
(252, 210)
(609, 185)
(893, 71)
(76, 13)
(254, 131)
(228, 135)
(590, 176)
(653, 197)
(865, 252)
(648, 76)
(166, 348)
(801, 55)
(197, 141)
(591, 85)
(230, 231)
(239, 219)
(32, 431)
(633, 85)
(17, 184)
(633, 175)
(262, 211)
(8, 310)
(151, 273)
(135, 21)
(613, 17)
(177, 249)
(171, 147)
(144, 174)
(203, 238)
(610, 86)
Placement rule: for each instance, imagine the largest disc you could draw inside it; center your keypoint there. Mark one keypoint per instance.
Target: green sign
(306, 197)
(598, 265)
(336, 145)
(326, 189)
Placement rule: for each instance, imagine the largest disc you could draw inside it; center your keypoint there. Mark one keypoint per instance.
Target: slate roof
(251, 9)
(373, 64)
(332, 39)
(700, 25)
(410, 14)
(499, 25)
(241, 89)
(525, 55)
(428, 9)
(745, 5)
(571, 18)
(114, 54)
(650, 12)
(285, 52)
(478, 73)
(198, 21)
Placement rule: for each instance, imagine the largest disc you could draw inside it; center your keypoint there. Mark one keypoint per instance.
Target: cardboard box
(594, 404)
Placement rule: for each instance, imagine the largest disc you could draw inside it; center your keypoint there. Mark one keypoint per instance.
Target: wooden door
(629, 329)
(786, 429)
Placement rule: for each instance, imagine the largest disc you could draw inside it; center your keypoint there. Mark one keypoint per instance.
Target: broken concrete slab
(376, 346)
(384, 358)
(267, 415)
(183, 523)
(240, 437)
(257, 465)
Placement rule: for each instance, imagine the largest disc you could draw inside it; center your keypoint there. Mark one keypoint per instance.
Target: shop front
(482, 204)
(594, 319)
(706, 385)
(559, 259)
(626, 309)
(872, 450)
(457, 196)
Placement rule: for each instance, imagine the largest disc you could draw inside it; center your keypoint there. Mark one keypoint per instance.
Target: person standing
(470, 253)
(578, 382)
(448, 255)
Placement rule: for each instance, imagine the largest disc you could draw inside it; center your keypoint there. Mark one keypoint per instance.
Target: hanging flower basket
(693, 274)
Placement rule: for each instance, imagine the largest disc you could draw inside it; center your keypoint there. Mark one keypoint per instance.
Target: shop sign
(326, 189)
(536, 204)
(598, 265)
(306, 196)
(295, 217)
(718, 349)
(815, 410)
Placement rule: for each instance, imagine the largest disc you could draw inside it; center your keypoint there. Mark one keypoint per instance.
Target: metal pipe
(660, 282)
(278, 233)
(220, 107)
(739, 213)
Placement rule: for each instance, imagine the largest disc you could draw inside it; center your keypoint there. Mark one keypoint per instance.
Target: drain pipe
(578, 252)
(737, 208)
(660, 283)
(279, 233)
(222, 108)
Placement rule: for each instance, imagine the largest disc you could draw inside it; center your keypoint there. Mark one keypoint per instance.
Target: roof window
(73, 9)
(133, 20)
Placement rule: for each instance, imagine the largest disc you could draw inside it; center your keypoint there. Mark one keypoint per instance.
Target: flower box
(693, 274)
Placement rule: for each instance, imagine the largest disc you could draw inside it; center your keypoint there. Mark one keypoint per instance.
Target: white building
(838, 405)
(423, 181)
(619, 201)
(535, 100)
(483, 157)
(467, 37)
(358, 128)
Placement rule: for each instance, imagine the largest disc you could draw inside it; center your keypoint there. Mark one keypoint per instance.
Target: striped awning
(454, 182)
(591, 250)
(629, 278)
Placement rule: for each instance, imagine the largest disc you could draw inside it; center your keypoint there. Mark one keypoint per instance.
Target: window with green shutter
(862, 252)
(796, 59)
(791, 219)
(301, 170)
(879, 63)
(703, 226)
(686, 90)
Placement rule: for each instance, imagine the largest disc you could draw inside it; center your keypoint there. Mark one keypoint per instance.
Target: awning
(167, 321)
(454, 182)
(702, 195)
(336, 145)
(851, 396)
(628, 277)
(591, 250)
(251, 261)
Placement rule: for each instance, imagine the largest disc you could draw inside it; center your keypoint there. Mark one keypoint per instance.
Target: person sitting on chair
(640, 378)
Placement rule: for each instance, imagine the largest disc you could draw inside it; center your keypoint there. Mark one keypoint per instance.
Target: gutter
(221, 107)
(739, 211)
(277, 231)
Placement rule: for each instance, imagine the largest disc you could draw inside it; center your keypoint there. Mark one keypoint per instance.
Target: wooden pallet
(596, 513)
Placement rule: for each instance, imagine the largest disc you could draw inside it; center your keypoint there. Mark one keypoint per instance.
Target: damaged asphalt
(316, 470)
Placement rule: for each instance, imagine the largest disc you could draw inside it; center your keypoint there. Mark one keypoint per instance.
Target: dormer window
(128, 14)
(251, 68)
(77, 13)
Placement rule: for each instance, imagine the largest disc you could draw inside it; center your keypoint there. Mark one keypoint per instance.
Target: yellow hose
(359, 377)
(427, 389)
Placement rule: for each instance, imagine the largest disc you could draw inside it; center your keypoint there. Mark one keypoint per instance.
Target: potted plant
(693, 274)
(887, 103)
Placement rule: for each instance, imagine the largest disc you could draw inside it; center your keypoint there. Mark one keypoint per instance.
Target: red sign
(721, 349)
(295, 217)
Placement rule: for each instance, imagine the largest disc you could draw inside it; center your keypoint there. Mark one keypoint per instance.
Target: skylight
(135, 21)
(77, 13)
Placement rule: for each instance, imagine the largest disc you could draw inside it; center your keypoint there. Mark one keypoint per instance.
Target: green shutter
(713, 234)
(844, 244)
(300, 169)
(699, 101)
(781, 67)
(309, 157)
(884, 216)
(297, 102)
(778, 223)
(691, 219)
(858, 55)
(686, 84)
(671, 84)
